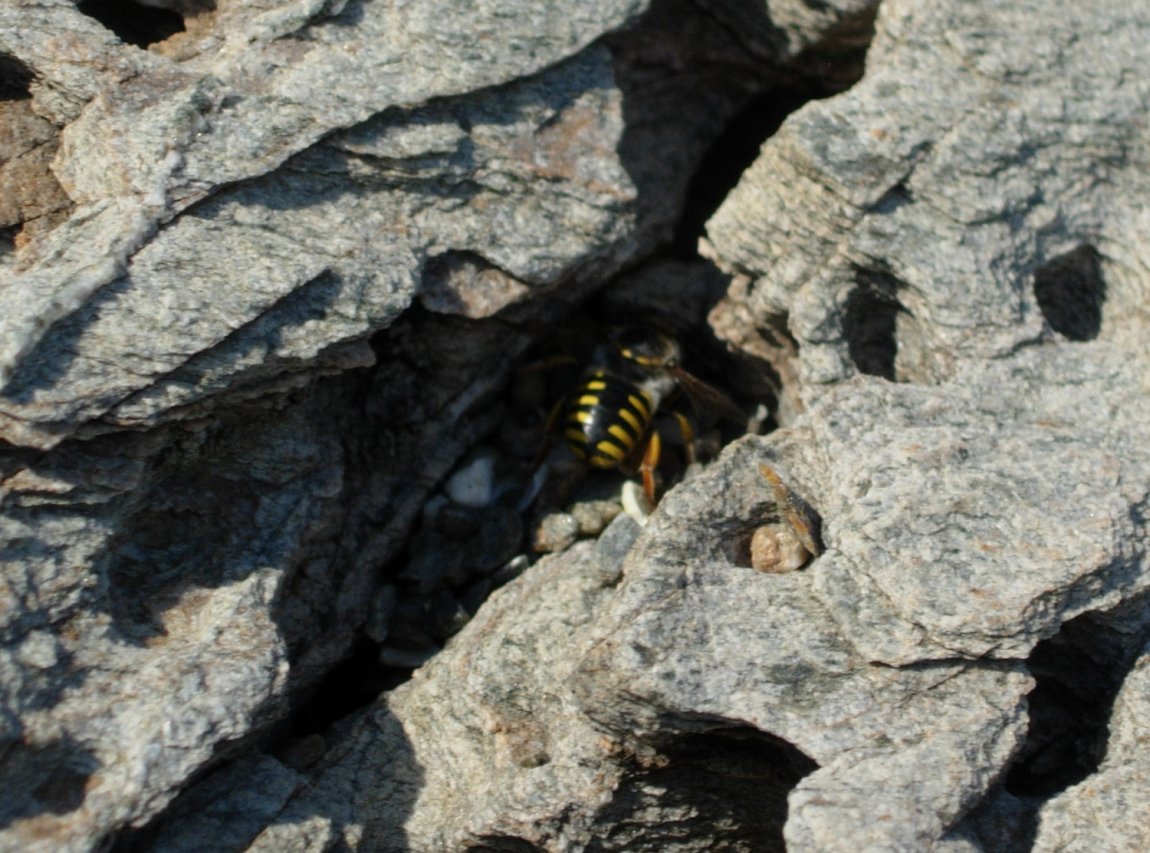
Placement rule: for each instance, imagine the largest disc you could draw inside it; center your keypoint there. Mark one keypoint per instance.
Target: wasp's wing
(707, 398)
(795, 511)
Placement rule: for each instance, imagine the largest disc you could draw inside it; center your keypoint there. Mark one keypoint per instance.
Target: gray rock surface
(980, 242)
(264, 285)
(151, 137)
(399, 780)
(195, 520)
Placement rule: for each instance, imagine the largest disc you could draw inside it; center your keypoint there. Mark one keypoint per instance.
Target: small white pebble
(635, 502)
(473, 485)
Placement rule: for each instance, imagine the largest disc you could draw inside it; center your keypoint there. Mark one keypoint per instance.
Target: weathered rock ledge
(270, 273)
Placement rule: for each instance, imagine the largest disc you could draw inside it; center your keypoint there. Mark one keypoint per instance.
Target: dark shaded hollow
(502, 844)
(47, 778)
(870, 323)
(730, 787)
(1078, 673)
(134, 23)
(351, 685)
(729, 156)
(15, 78)
(1071, 291)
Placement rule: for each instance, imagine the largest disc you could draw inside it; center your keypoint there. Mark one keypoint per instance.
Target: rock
(776, 548)
(538, 753)
(293, 259)
(1014, 469)
(148, 137)
(259, 785)
(316, 287)
(556, 532)
(473, 484)
(29, 190)
(593, 515)
(614, 545)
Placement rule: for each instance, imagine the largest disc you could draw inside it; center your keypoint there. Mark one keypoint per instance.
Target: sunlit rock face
(282, 288)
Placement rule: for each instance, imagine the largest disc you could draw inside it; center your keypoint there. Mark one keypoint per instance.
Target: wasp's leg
(648, 464)
(688, 433)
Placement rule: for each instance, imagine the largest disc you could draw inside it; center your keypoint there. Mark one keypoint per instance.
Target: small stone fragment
(473, 484)
(635, 502)
(776, 548)
(556, 532)
(593, 516)
(614, 545)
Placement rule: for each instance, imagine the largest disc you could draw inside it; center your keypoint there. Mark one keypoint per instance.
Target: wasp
(608, 420)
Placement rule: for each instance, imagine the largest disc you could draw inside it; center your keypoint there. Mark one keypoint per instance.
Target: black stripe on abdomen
(605, 419)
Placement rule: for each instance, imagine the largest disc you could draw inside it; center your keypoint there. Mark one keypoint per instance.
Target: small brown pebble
(593, 516)
(776, 548)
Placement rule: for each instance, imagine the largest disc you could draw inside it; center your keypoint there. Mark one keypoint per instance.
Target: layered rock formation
(270, 270)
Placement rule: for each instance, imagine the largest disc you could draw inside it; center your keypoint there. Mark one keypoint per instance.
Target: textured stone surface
(27, 145)
(978, 242)
(265, 84)
(197, 528)
(400, 780)
(943, 201)
(331, 248)
(301, 247)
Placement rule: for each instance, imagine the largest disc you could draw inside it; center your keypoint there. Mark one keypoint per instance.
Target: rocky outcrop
(268, 281)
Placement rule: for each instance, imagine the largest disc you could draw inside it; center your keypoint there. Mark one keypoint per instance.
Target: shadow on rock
(314, 792)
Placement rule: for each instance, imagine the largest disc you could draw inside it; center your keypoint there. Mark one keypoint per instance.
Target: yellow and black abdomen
(606, 419)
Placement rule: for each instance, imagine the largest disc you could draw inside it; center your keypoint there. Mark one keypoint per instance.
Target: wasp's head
(647, 347)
